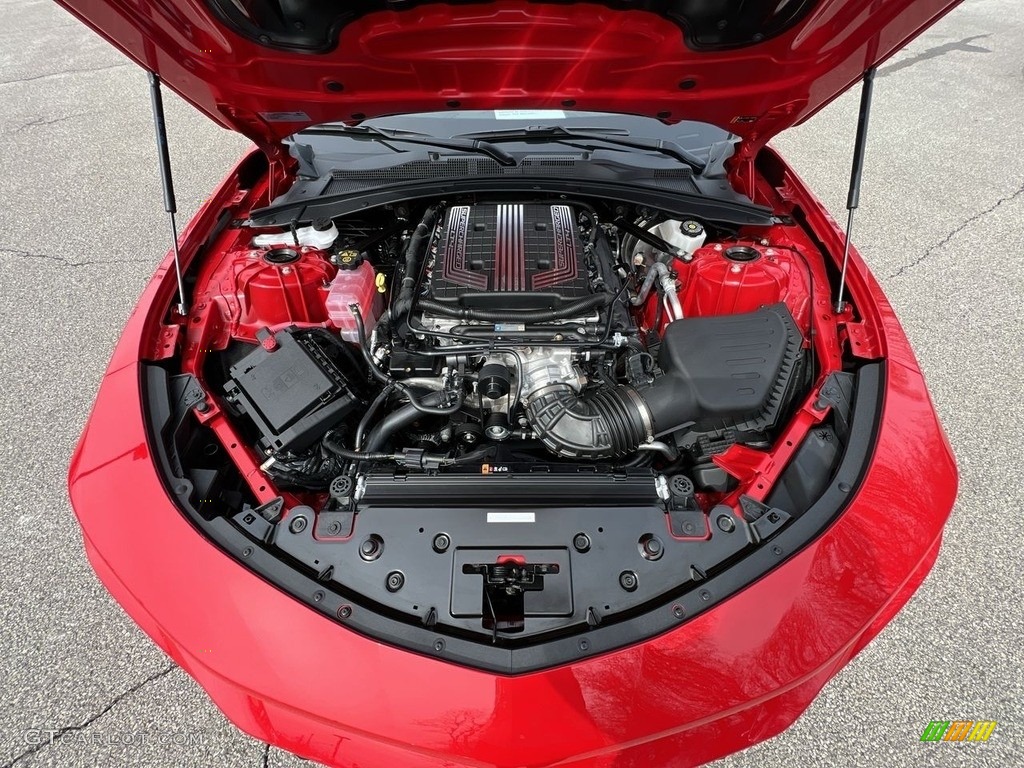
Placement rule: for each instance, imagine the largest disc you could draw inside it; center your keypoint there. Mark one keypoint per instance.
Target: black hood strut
(166, 180)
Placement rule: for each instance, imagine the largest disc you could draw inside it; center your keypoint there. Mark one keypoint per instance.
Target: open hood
(268, 68)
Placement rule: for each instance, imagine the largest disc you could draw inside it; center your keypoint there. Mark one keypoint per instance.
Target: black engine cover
(509, 256)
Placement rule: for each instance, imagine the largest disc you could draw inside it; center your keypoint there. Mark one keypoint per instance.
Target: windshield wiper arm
(460, 144)
(617, 138)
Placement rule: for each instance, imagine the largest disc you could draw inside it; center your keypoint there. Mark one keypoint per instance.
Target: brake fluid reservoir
(354, 285)
(686, 235)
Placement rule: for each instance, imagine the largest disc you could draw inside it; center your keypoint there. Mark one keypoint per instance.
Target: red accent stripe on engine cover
(510, 250)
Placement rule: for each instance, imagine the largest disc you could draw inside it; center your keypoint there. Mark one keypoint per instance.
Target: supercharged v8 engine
(516, 334)
(527, 278)
(512, 256)
(568, 365)
(479, 359)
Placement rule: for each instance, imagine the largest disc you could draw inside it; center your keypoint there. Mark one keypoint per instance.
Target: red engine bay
(244, 288)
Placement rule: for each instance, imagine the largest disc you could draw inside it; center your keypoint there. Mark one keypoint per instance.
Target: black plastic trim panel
(676, 203)
(644, 623)
(313, 26)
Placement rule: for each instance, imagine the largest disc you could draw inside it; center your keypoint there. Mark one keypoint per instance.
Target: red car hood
(268, 68)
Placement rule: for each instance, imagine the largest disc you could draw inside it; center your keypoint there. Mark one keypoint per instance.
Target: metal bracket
(762, 520)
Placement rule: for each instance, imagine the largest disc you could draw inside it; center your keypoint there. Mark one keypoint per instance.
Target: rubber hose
(417, 243)
(345, 453)
(398, 419)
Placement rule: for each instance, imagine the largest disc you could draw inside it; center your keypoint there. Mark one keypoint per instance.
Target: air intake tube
(606, 423)
(717, 372)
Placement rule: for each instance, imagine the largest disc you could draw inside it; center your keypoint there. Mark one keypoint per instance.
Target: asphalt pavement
(82, 227)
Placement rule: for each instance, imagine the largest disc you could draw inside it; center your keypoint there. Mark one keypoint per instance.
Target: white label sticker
(528, 114)
(511, 517)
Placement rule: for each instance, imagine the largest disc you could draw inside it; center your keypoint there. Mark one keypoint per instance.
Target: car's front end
(503, 437)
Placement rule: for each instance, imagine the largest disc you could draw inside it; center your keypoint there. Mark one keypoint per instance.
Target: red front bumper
(732, 676)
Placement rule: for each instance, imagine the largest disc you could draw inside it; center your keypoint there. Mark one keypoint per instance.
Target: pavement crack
(40, 122)
(266, 756)
(62, 732)
(65, 262)
(965, 45)
(956, 231)
(63, 73)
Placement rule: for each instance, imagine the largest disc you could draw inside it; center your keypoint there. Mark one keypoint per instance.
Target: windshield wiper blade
(617, 138)
(460, 144)
(541, 131)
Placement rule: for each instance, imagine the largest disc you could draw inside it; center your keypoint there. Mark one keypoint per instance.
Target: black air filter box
(292, 388)
(733, 371)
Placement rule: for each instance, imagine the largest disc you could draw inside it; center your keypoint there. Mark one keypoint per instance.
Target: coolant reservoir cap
(349, 259)
(691, 228)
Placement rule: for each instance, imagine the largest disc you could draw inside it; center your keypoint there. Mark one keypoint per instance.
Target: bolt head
(628, 581)
(297, 525)
(371, 547)
(651, 547)
(581, 542)
(442, 542)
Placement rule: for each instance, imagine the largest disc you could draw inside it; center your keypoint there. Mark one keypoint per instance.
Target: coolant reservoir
(356, 285)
